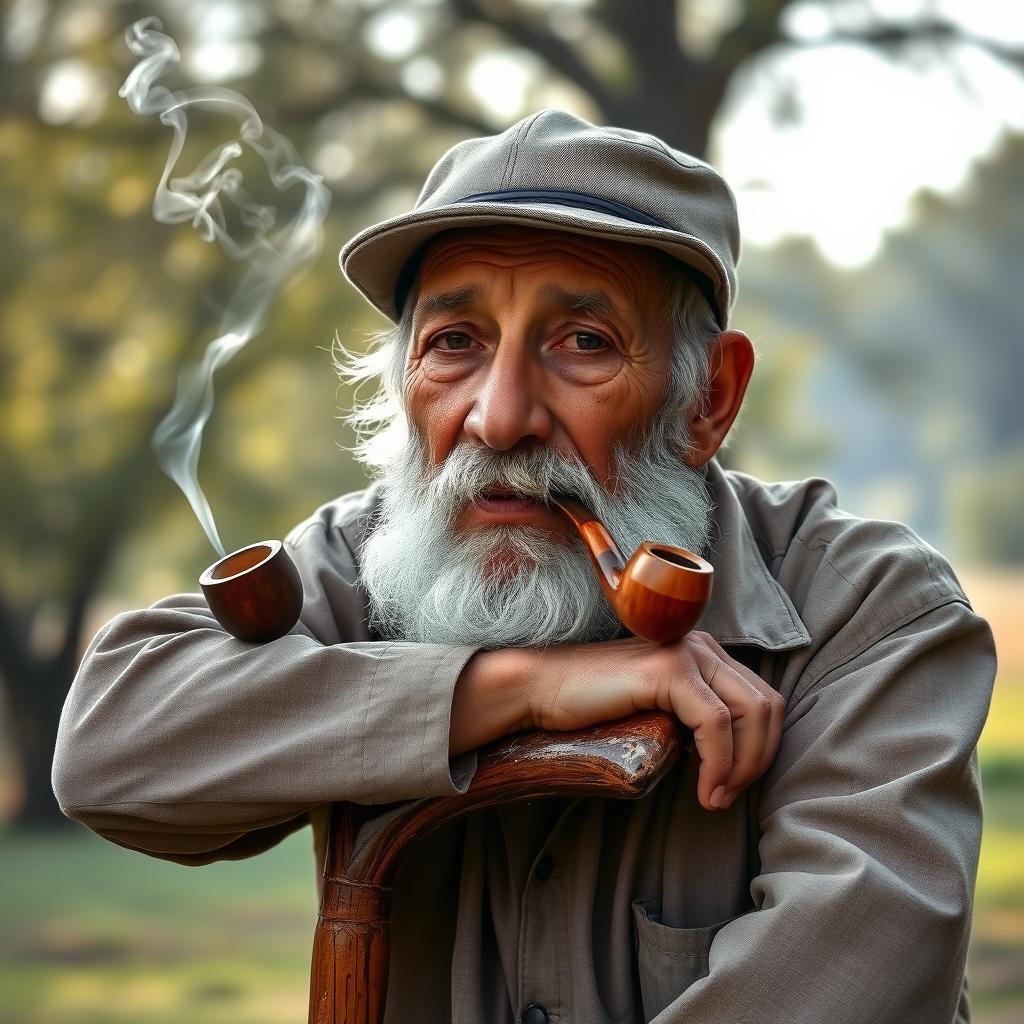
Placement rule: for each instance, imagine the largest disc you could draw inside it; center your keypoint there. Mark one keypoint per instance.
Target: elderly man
(561, 296)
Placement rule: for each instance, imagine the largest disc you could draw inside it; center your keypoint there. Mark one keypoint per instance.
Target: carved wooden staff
(659, 594)
(351, 943)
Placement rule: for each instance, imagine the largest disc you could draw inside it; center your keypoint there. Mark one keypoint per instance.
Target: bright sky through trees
(871, 134)
(830, 142)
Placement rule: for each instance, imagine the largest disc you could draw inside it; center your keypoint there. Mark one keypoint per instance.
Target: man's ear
(711, 416)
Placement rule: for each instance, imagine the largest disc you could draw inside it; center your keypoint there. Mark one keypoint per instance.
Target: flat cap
(557, 171)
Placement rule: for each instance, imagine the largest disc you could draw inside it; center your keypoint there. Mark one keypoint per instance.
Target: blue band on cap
(577, 200)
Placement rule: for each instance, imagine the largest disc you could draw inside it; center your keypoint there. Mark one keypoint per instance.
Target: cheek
(598, 419)
(634, 398)
(437, 412)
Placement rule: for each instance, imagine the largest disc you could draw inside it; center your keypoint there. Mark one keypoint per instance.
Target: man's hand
(736, 717)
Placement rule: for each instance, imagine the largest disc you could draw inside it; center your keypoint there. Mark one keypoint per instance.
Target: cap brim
(374, 259)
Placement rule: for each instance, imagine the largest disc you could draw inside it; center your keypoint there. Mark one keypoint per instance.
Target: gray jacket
(838, 889)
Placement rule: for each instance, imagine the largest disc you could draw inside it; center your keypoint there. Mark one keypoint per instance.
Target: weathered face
(524, 336)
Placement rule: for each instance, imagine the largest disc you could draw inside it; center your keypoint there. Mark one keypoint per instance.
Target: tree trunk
(35, 700)
(681, 126)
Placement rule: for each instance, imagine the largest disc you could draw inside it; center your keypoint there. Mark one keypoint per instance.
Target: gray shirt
(838, 888)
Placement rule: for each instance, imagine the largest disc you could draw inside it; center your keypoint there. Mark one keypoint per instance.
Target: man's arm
(871, 824)
(736, 717)
(176, 738)
(182, 742)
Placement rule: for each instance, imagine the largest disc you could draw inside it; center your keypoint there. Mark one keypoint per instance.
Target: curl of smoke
(274, 256)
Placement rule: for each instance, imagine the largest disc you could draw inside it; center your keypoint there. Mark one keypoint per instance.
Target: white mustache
(538, 471)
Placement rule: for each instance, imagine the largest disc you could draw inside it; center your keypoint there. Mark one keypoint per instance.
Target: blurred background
(877, 153)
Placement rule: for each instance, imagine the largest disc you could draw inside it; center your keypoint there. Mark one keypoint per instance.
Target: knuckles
(701, 639)
(720, 718)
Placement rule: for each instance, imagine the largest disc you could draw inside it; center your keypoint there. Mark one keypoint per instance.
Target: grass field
(996, 964)
(94, 934)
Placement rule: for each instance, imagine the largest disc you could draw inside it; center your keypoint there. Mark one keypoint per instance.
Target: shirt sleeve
(180, 741)
(870, 825)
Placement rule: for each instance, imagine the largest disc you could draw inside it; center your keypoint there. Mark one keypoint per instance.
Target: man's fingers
(774, 698)
(696, 705)
(750, 711)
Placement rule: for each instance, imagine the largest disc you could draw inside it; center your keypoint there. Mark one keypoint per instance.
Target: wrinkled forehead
(477, 255)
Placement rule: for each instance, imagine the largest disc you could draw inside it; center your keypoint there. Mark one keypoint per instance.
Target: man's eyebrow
(444, 302)
(595, 302)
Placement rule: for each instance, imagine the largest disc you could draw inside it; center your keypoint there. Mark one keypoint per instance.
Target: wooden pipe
(659, 593)
(255, 593)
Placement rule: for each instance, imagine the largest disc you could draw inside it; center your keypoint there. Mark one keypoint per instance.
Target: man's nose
(510, 406)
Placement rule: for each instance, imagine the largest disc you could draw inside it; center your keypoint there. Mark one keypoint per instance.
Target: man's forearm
(492, 697)
(736, 725)
(177, 738)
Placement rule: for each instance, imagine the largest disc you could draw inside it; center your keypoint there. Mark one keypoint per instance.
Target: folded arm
(177, 738)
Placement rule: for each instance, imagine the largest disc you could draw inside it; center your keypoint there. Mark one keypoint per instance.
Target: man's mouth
(504, 498)
(496, 503)
(499, 505)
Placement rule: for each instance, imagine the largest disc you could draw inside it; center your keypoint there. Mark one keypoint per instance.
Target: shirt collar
(748, 605)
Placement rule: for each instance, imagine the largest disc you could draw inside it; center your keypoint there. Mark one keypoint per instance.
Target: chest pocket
(669, 960)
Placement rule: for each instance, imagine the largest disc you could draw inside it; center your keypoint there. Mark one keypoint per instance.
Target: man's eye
(586, 342)
(451, 341)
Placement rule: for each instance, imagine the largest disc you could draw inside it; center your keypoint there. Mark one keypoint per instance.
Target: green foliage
(96, 327)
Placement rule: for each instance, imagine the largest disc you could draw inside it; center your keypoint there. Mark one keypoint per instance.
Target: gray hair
(380, 422)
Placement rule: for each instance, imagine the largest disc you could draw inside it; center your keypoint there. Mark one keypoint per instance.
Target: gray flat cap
(554, 170)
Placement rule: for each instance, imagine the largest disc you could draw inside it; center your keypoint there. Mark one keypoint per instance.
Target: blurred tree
(662, 66)
(103, 306)
(910, 365)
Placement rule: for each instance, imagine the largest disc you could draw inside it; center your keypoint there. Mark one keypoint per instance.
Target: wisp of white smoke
(273, 256)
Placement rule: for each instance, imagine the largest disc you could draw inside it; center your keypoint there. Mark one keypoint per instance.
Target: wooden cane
(659, 593)
(348, 985)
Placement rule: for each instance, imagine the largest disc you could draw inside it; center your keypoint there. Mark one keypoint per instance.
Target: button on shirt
(838, 888)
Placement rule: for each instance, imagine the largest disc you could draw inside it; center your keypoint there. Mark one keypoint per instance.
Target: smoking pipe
(255, 593)
(659, 593)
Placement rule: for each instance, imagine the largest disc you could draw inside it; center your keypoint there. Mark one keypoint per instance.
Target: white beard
(513, 586)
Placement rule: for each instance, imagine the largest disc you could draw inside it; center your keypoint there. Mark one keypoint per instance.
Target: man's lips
(501, 504)
(505, 498)
(500, 499)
